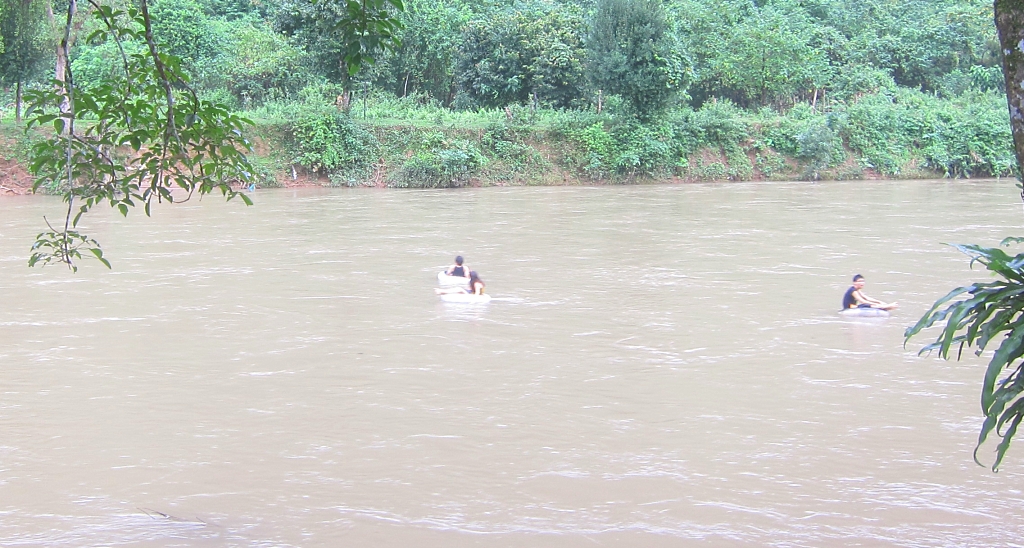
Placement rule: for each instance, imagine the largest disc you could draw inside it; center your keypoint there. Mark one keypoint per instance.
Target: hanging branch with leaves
(142, 137)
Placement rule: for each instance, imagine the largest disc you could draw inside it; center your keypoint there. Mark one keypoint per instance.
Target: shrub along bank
(384, 141)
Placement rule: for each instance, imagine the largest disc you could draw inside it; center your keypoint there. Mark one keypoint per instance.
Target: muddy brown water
(660, 366)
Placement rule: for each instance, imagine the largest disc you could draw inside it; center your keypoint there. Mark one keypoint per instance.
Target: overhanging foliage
(978, 316)
(133, 140)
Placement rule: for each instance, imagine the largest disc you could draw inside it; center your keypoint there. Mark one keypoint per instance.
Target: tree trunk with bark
(1009, 15)
(17, 103)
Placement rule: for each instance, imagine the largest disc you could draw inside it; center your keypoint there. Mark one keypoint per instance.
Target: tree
(631, 54)
(491, 70)
(919, 42)
(425, 60)
(770, 57)
(261, 64)
(992, 313)
(704, 30)
(515, 55)
(177, 141)
(182, 29)
(178, 145)
(345, 35)
(26, 47)
(557, 56)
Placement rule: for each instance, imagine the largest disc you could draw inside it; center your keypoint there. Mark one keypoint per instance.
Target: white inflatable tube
(466, 298)
(864, 313)
(445, 280)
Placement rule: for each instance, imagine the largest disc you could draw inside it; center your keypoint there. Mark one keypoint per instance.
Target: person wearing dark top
(458, 269)
(855, 298)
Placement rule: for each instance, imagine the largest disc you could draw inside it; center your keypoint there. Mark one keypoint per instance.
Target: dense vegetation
(544, 91)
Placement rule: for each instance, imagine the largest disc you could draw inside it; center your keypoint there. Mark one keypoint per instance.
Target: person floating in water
(475, 287)
(855, 298)
(458, 269)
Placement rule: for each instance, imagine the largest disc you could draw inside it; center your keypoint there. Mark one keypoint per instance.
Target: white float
(864, 313)
(465, 298)
(445, 280)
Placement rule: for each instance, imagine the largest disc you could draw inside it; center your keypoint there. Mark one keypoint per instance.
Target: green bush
(95, 64)
(970, 137)
(439, 163)
(605, 146)
(325, 142)
(642, 149)
(817, 146)
(261, 65)
(889, 132)
(770, 163)
(740, 167)
(711, 171)
(506, 143)
(263, 174)
(595, 145)
(717, 124)
(882, 128)
(962, 138)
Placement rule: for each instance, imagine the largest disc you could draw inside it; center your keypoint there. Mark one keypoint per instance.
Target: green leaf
(1005, 444)
(993, 309)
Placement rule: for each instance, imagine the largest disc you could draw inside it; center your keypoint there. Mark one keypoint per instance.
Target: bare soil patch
(14, 180)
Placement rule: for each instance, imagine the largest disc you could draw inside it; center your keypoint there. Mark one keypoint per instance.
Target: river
(660, 366)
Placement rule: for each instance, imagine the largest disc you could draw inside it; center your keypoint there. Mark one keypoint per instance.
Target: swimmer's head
(458, 260)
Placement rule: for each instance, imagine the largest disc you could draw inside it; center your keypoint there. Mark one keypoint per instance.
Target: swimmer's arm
(862, 298)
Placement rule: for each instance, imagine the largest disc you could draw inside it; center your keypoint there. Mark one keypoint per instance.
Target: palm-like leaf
(975, 316)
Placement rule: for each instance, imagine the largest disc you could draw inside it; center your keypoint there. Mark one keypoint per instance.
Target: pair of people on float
(475, 286)
(855, 298)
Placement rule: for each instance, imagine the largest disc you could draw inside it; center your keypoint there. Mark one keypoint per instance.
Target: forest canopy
(466, 55)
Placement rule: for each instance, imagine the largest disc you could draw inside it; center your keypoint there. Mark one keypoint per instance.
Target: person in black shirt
(855, 298)
(458, 269)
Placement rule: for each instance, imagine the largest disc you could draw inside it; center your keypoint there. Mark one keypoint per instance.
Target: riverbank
(389, 142)
(392, 142)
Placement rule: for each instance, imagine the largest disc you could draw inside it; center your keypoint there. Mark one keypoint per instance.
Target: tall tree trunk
(1009, 15)
(17, 103)
(58, 71)
(67, 38)
(58, 29)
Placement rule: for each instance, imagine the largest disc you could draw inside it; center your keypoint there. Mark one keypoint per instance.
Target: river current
(660, 366)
